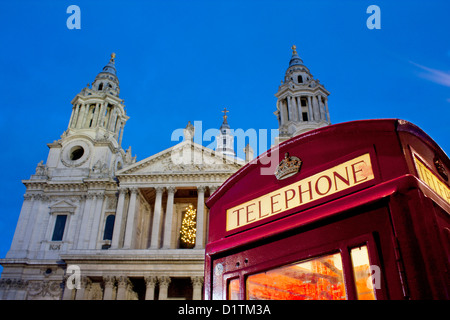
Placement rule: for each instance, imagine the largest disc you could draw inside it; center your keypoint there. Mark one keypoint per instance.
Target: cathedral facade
(97, 224)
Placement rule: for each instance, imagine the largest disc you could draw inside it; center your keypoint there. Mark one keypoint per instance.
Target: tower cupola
(302, 101)
(107, 81)
(225, 139)
(98, 111)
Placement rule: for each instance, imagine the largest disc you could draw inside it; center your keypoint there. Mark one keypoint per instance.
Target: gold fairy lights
(188, 226)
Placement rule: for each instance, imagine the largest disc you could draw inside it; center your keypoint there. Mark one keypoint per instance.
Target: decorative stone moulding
(75, 153)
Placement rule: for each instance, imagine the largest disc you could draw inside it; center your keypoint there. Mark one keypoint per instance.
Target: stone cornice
(174, 177)
(70, 186)
(300, 90)
(175, 256)
(97, 97)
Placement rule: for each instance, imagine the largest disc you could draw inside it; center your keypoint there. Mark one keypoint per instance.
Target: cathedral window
(60, 225)
(300, 79)
(109, 227)
(100, 86)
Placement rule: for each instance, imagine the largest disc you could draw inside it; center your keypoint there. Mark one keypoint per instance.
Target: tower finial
(294, 49)
(225, 113)
(113, 56)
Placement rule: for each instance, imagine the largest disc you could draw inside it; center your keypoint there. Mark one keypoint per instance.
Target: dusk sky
(180, 61)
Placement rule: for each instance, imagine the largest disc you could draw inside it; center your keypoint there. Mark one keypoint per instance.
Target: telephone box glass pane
(233, 289)
(313, 279)
(362, 273)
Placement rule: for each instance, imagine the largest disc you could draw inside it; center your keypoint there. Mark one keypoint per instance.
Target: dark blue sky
(180, 61)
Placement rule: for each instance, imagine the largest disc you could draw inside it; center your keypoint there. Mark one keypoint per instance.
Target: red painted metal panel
(408, 243)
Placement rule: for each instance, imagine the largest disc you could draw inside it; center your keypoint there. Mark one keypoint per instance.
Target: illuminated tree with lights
(188, 227)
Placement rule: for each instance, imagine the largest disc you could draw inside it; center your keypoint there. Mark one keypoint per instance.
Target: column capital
(109, 281)
(133, 190)
(213, 189)
(197, 281)
(159, 189)
(201, 188)
(164, 281)
(150, 281)
(85, 282)
(122, 281)
(171, 189)
(123, 190)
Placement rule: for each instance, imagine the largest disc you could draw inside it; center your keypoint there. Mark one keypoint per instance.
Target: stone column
(169, 218)
(119, 218)
(74, 108)
(83, 292)
(156, 227)
(163, 287)
(109, 287)
(200, 217)
(101, 117)
(197, 283)
(95, 115)
(31, 218)
(73, 120)
(310, 113)
(316, 109)
(85, 114)
(283, 110)
(112, 120)
(294, 106)
(150, 283)
(121, 133)
(96, 221)
(122, 283)
(327, 112)
(299, 108)
(129, 231)
(88, 217)
(24, 217)
(79, 116)
(68, 293)
(321, 108)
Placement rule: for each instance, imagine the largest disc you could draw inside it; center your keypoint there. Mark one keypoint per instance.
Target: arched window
(300, 79)
(100, 86)
(109, 227)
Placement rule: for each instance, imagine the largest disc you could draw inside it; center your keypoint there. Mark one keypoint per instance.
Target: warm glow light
(320, 278)
(188, 226)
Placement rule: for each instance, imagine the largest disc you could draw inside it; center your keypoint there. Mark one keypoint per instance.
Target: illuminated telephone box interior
(353, 211)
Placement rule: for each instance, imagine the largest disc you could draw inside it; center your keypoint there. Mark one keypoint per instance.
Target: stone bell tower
(302, 103)
(225, 139)
(91, 145)
(70, 201)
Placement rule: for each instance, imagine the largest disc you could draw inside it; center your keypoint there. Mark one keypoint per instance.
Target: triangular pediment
(185, 157)
(62, 206)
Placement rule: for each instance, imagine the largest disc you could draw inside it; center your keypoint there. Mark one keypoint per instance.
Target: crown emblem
(289, 166)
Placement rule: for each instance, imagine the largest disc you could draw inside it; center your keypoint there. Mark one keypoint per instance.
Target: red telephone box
(357, 210)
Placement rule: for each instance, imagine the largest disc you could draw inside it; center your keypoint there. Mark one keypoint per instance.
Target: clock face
(75, 153)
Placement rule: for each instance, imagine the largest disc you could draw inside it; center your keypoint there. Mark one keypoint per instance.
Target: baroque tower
(70, 201)
(302, 101)
(225, 139)
(93, 139)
